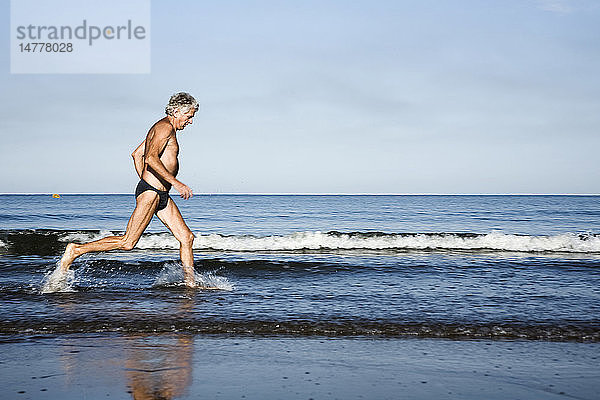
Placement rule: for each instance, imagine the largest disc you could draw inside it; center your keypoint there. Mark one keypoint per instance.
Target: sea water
(301, 265)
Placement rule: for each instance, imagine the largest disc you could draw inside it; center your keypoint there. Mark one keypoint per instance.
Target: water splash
(172, 276)
(58, 281)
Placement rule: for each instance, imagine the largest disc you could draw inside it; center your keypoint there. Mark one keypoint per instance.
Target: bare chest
(171, 149)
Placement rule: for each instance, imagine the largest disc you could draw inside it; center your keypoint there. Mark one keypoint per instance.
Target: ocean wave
(52, 242)
(570, 243)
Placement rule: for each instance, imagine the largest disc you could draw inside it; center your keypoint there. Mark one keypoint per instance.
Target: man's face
(183, 119)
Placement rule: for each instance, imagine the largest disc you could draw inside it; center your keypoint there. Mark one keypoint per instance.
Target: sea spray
(58, 281)
(172, 275)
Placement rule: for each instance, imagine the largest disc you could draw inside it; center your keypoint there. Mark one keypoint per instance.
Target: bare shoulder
(161, 129)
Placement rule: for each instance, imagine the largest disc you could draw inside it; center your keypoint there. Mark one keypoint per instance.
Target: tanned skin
(155, 161)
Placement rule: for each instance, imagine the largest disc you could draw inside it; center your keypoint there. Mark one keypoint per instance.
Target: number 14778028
(46, 47)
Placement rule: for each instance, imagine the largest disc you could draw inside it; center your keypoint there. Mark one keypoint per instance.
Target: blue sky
(329, 97)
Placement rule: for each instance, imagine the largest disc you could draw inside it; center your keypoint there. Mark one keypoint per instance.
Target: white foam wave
(58, 281)
(568, 242)
(172, 275)
(571, 243)
(2, 244)
(85, 237)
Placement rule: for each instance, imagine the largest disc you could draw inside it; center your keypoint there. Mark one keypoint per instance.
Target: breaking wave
(52, 242)
(571, 243)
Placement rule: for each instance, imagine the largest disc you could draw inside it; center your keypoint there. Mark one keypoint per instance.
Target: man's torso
(168, 156)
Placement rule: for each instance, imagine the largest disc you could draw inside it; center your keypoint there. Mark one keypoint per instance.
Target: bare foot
(68, 257)
(190, 280)
(188, 277)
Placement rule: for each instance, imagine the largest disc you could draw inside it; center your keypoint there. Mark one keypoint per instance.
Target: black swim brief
(163, 195)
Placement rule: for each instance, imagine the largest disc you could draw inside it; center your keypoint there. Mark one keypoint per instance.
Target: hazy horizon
(174, 194)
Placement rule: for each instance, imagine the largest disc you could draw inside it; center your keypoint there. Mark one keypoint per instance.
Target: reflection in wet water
(147, 367)
(159, 370)
(152, 367)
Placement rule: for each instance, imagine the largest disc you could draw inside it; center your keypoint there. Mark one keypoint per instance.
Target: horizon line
(316, 194)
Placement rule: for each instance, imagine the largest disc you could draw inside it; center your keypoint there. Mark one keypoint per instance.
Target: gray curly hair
(182, 101)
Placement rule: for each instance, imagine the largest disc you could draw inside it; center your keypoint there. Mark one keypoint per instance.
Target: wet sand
(97, 366)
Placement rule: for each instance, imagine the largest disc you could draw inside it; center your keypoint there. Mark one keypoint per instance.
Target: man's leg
(146, 203)
(171, 217)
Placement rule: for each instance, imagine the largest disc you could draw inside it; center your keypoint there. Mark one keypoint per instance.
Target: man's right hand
(184, 190)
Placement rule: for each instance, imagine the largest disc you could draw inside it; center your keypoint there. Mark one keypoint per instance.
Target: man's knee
(187, 239)
(127, 243)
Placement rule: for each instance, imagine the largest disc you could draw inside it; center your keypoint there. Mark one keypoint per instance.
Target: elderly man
(156, 163)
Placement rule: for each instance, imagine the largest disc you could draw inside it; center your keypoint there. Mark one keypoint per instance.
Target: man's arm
(138, 158)
(155, 143)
